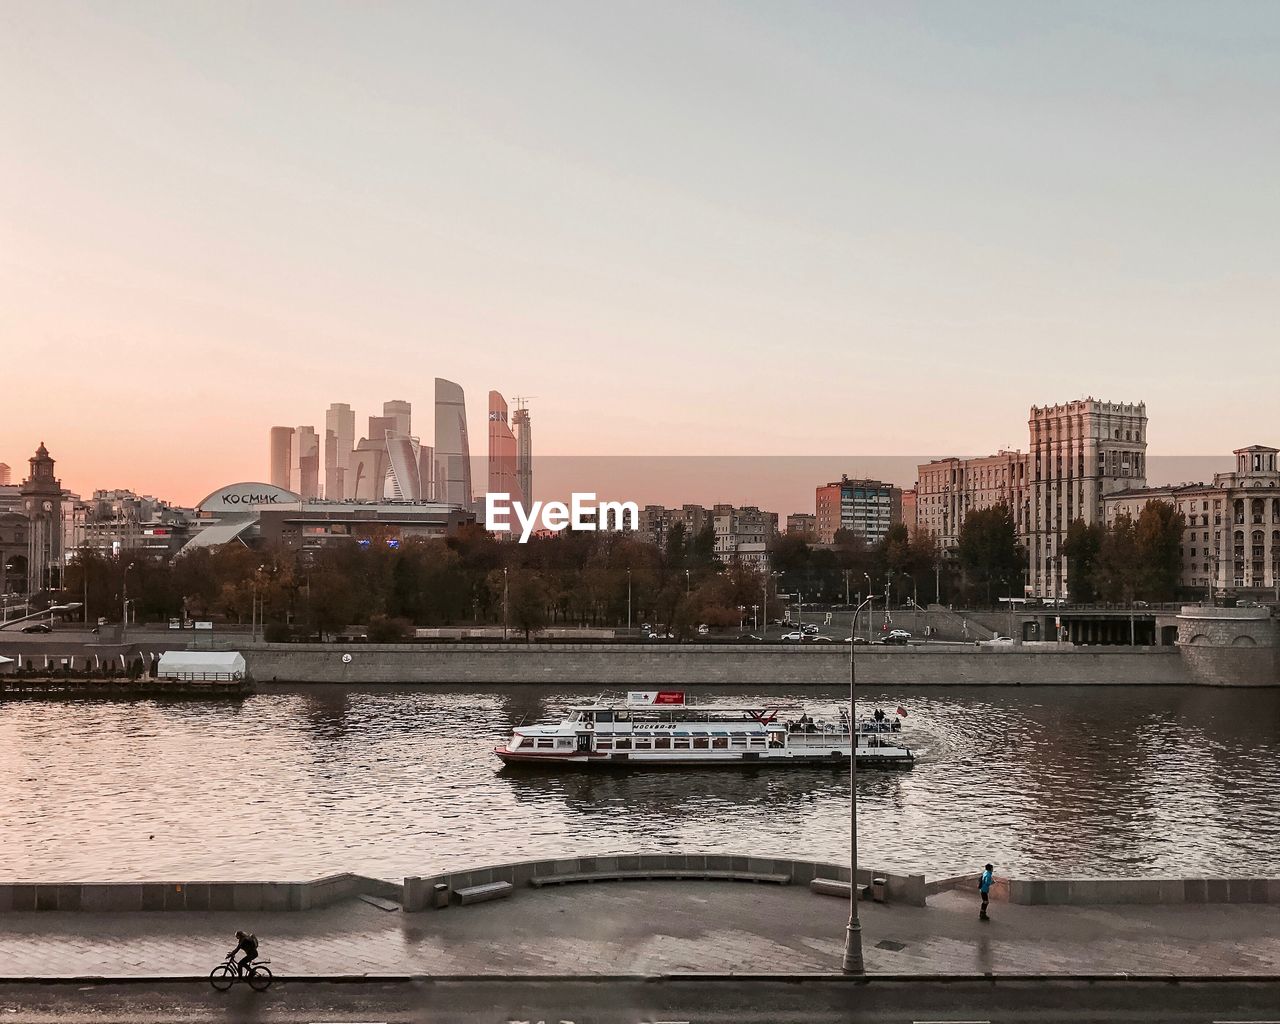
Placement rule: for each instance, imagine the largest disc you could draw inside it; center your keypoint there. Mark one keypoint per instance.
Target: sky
(682, 228)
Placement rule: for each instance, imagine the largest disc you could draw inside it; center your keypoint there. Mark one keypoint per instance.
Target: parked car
(748, 638)
(704, 629)
(1002, 640)
(817, 639)
(794, 637)
(856, 640)
(655, 635)
(900, 634)
(810, 627)
(38, 627)
(895, 639)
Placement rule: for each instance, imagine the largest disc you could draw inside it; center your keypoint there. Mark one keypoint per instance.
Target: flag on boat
(902, 711)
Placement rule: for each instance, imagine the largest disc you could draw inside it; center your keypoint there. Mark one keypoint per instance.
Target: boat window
(720, 742)
(662, 743)
(575, 716)
(700, 743)
(681, 743)
(643, 743)
(604, 716)
(564, 743)
(757, 743)
(739, 742)
(622, 716)
(545, 743)
(622, 743)
(603, 744)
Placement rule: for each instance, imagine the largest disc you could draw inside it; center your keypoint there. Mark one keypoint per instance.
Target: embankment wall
(636, 666)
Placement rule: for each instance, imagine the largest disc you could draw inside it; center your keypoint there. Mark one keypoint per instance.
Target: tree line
(393, 585)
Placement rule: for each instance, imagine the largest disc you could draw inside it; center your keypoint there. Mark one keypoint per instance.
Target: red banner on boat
(647, 697)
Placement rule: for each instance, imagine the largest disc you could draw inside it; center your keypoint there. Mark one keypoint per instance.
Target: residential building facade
(867, 508)
(948, 489)
(1231, 538)
(1080, 452)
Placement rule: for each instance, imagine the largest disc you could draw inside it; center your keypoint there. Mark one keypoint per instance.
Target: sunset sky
(683, 228)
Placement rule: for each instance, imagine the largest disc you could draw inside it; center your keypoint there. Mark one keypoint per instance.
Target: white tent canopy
(201, 665)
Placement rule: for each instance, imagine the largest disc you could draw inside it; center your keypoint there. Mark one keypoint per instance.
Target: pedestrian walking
(984, 887)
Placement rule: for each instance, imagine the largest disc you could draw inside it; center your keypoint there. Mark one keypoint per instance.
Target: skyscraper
(305, 470)
(404, 480)
(524, 451)
(502, 450)
(4, 474)
(339, 443)
(453, 451)
(400, 413)
(281, 456)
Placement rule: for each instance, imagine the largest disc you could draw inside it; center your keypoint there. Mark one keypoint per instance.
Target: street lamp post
(628, 600)
(505, 602)
(687, 583)
(870, 590)
(853, 933)
(124, 602)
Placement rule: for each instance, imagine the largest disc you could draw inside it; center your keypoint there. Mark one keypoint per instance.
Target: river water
(294, 784)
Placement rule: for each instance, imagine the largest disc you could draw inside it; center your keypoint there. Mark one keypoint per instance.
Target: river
(297, 783)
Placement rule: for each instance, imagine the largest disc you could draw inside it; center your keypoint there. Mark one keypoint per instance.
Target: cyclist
(248, 942)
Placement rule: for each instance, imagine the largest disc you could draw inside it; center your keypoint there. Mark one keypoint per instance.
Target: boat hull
(762, 759)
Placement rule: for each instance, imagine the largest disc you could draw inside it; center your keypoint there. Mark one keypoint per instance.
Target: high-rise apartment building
(339, 443)
(281, 457)
(1080, 452)
(866, 508)
(502, 451)
(5, 474)
(520, 426)
(452, 449)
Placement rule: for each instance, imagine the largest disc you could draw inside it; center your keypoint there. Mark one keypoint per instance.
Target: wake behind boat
(660, 730)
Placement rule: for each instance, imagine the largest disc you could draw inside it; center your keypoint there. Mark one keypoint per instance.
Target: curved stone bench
(665, 874)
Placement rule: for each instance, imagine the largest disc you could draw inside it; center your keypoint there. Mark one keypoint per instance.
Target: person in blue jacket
(984, 887)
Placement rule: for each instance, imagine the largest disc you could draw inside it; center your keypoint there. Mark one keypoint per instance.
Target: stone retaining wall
(131, 896)
(633, 665)
(1163, 891)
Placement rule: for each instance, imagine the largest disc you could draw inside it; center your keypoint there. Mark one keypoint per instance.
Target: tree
(1081, 548)
(1158, 536)
(1117, 570)
(988, 549)
(528, 601)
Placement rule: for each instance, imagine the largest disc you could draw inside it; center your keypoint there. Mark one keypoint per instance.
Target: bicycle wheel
(260, 979)
(222, 977)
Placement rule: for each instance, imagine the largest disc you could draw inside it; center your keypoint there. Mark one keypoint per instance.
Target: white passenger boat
(660, 730)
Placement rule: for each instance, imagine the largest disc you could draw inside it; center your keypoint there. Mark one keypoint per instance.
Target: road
(812, 1000)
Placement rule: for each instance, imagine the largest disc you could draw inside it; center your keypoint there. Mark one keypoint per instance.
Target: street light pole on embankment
(853, 933)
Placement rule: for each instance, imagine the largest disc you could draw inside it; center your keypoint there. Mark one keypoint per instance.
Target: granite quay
(416, 892)
(1213, 646)
(656, 928)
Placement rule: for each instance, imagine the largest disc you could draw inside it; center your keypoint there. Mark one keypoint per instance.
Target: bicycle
(228, 973)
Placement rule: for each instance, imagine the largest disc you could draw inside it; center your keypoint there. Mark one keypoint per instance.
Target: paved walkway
(657, 927)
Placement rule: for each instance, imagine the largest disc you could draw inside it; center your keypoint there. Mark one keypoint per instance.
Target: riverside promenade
(654, 927)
